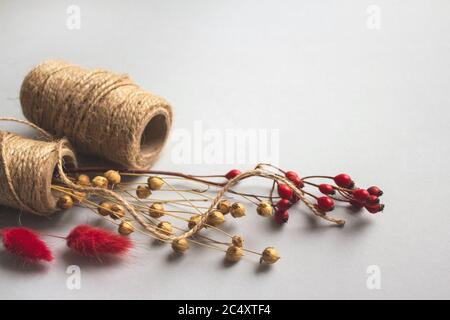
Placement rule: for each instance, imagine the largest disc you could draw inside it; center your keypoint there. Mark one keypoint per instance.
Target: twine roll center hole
(69, 164)
(154, 134)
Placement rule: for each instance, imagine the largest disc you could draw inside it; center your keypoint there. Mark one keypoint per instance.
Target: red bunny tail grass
(26, 244)
(96, 242)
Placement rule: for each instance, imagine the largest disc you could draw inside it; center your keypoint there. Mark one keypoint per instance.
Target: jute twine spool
(26, 171)
(100, 112)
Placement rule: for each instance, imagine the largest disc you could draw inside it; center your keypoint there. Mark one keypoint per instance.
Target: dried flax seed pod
(98, 111)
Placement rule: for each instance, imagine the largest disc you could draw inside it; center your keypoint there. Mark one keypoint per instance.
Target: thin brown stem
(150, 172)
(320, 177)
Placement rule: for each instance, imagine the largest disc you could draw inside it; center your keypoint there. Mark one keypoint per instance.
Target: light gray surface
(374, 103)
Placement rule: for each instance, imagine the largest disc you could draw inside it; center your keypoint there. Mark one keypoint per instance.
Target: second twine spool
(100, 112)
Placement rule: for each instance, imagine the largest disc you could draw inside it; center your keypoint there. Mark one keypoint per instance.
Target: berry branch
(148, 212)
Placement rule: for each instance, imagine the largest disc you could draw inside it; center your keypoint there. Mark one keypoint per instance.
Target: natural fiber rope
(26, 172)
(100, 112)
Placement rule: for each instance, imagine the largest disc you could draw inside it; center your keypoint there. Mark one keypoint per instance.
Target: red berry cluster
(288, 197)
(356, 197)
(343, 190)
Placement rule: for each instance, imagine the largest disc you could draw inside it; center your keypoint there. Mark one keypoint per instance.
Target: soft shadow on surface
(58, 221)
(85, 161)
(175, 257)
(263, 268)
(273, 226)
(227, 264)
(157, 243)
(358, 220)
(354, 211)
(17, 265)
(14, 218)
(357, 226)
(71, 258)
(355, 221)
(312, 223)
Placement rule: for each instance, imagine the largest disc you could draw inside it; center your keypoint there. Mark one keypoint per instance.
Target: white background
(346, 98)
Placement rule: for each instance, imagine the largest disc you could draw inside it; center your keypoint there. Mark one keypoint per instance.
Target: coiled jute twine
(26, 172)
(99, 112)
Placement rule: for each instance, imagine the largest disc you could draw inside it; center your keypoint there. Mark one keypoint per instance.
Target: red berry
(294, 178)
(375, 191)
(283, 204)
(298, 182)
(284, 191)
(325, 203)
(375, 208)
(291, 175)
(361, 195)
(232, 174)
(371, 200)
(295, 198)
(281, 216)
(326, 188)
(356, 204)
(343, 180)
